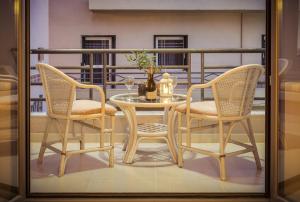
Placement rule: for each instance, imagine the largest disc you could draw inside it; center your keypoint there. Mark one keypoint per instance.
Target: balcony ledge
(177, 5)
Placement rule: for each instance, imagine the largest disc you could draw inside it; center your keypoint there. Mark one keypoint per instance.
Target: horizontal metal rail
(109, 71)
(162, 50)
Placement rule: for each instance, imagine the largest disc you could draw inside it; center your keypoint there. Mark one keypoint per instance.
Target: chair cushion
(86, 107)
(9, 100)
(7, 86)
(204, 107)
(290, 86)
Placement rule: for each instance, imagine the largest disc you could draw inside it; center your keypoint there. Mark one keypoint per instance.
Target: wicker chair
(233, 94)
(62, 107)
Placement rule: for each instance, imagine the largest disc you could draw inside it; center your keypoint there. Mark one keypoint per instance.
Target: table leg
(171, 125)
(130, 114)
(125, 144)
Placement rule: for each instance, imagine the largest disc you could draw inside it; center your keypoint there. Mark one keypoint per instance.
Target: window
(97, 42)
(172, 41)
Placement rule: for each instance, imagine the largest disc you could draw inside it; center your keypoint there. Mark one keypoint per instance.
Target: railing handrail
(161, 50)
(108, 68)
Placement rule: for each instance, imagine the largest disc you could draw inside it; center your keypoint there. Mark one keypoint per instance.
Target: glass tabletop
(134, 98)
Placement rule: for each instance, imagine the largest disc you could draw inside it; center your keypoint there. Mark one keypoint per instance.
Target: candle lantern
(166, 86)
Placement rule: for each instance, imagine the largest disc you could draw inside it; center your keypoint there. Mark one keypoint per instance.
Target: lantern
(166, 86)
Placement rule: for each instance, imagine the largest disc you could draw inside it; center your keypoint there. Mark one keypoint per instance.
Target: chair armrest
(101, 93)
(190, 91)
(196, 86)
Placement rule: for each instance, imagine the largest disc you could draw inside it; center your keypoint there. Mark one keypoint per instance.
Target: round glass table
(137, 132)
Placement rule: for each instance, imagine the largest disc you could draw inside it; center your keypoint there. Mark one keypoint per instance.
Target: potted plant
(146, 62)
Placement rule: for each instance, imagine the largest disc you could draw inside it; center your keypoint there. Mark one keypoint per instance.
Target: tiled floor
(152, 171)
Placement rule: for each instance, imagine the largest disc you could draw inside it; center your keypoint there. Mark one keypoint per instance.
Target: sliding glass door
(289, 99)
(8, 100)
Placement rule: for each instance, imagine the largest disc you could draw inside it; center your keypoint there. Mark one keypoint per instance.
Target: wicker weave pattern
(59, 92)
(235, 92)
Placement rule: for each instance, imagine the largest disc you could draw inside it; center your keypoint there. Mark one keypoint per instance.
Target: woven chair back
(234, 90)
(58, 88)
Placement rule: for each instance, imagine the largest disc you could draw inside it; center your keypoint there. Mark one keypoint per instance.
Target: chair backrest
(282, 65)
(59, 90)
(234, 90)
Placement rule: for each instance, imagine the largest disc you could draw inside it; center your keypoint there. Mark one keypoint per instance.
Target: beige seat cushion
(290, 86)
(86, 107)
(204, 107)
(8, 100)
(7, 86)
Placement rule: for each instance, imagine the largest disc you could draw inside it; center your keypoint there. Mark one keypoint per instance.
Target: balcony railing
(113, 75)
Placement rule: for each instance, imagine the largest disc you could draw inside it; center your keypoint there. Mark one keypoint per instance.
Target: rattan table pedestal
(137, 132)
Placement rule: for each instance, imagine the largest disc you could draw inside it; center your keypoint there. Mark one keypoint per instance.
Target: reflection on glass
(8, 102)
(129, 83)
(289, 102)
(140, 99)
(174, 79)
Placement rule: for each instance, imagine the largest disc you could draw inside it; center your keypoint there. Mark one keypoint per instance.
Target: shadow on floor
(239, 169)
(158, 156)
(76, 163)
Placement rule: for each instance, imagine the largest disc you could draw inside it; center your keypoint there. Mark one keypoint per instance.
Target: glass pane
(8, 102)
(289, 101)
(147, 141)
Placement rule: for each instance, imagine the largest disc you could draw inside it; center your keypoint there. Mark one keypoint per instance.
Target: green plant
(144, 61)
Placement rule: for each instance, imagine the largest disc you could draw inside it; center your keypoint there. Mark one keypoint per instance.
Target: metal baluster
(104, 73)
(91, 60)
(189, 55)
(202, 74)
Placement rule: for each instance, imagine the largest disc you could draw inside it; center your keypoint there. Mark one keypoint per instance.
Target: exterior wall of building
(39, 38)
(39, 29)
(59, 24)
(67, 22)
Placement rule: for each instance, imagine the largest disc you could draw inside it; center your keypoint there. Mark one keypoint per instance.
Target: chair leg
(180, 152)
(222, 152)
(82, 140)
(64, 150)
(188, 132)
(112, 142)
(252, 140)
(44, 142)
(102, 120)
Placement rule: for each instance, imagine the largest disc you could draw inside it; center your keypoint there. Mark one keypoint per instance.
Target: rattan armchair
(233, 94)
(62, 107)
